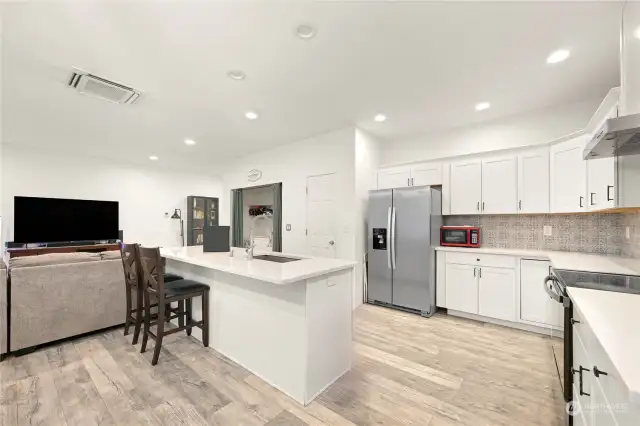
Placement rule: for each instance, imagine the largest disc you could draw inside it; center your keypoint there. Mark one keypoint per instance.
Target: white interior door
(321, 215)
(499, 185)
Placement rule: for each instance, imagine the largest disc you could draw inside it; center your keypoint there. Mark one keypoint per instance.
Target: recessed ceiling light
(481, 106)
(189, 142)
(380, 118)
(558, 56)
(305, 31)
(236, 75)
(153, 157)
(251, 115)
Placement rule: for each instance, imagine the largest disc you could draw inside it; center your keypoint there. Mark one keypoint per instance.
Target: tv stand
(34, 251)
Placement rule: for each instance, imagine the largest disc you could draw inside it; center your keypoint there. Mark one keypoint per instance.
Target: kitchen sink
(277, 259)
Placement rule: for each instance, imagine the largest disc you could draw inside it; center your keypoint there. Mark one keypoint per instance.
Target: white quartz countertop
(573, 261)
(614, 318)
(263, 270)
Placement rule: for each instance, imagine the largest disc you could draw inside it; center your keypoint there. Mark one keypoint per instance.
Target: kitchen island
(288, 323)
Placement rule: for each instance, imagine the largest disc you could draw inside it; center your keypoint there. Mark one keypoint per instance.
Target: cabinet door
(466, 187)
(499, 186)
(582, 377)
(568, 177)
(462, 288)
(535, 305)
(600, 413)
(426, 174)
(497, 293)
(601, 176)
(533, 181)
(393, 178)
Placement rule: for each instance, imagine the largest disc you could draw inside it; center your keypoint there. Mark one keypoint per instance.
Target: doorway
(257, 209)
(321, 215)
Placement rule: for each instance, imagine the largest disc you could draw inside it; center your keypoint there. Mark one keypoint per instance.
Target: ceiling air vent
(102, 88)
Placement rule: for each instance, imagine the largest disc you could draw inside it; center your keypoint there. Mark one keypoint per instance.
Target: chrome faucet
(251, 245)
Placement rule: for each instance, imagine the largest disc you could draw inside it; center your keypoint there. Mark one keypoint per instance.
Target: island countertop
(272, 272)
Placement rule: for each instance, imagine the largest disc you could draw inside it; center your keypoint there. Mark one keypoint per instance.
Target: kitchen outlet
(547, 230)
(628, 232)
(288, 227)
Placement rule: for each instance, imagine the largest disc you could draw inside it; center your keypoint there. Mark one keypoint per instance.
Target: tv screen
(50, 220)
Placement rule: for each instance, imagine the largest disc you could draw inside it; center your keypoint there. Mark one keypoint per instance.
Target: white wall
(630, 60)
(366, 165)
(533, 128)
(144, 194)
(262, 196)
(291, 164)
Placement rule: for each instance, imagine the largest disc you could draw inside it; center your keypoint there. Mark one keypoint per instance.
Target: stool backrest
(152, 267)
(131, 264)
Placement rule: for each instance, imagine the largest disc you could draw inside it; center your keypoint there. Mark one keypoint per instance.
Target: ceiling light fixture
(380, 118)
(305, 31)
(236, 75)
(153, 157)
(558, 56)
(189, 142)
(481, 106)
(251, 115)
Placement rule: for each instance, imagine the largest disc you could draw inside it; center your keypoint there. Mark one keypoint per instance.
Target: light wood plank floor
(408, 370)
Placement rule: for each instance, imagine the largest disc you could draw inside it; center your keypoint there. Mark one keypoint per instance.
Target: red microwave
(460, 236)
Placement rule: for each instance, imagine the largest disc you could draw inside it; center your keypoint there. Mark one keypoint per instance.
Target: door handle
(591, 198)
(389, 238)
(331, 242)
(393, 237)
(609, 187)
(581, 198)
(580, 370)
(598, 373)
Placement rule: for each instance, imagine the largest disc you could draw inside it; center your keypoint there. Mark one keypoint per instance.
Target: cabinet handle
(478, 206)
(412, 182)
(591, 198)
(474, 271)
(480, 272)
(409, 182)
(574, 321)
(609, 187)
(483, 206)
(520, 205)
(598, 373)
(581, 198)
(579, 371)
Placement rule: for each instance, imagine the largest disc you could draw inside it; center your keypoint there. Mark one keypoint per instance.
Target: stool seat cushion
(175, 288)
(171, 277)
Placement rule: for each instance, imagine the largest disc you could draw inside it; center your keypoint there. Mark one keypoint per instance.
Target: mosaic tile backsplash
(589, 233)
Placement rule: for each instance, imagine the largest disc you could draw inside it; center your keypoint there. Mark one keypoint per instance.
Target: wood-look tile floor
(408, 370)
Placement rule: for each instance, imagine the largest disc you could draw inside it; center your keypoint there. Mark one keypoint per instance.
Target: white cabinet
(568, 176)
(426, 174)
(535, 304)
(394, 178)
(601, 174)
(462, 288)
(499, 185)
(497, 293)
(466, 187)
(533, 181)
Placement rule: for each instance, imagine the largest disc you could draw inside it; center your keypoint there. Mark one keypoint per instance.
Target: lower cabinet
(535, 304)
(462, 288)
(497, 293)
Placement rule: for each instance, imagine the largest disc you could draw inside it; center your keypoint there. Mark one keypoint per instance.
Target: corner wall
(144, 194)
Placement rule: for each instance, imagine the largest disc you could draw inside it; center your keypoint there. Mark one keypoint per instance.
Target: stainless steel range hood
(616, 137)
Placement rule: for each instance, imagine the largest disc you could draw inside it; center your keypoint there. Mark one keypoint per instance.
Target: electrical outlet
(547, 230)
(288, 227)
(628, 232)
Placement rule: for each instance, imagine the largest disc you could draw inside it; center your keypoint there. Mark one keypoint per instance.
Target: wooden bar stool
(177, 291)
(133, 282)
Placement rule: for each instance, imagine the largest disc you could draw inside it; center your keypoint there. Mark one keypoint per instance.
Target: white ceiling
(424, 65)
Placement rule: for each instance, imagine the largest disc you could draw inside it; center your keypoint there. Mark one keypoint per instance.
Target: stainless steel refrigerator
(404, 228)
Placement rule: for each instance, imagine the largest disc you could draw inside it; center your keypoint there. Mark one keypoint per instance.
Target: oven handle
(552, 294)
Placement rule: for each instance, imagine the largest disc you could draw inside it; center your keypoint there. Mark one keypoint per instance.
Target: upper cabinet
(601, 172)
(466, 187)
(397, 177)
(568, 176)
(416, 175)
(533, 181)
(499, 185)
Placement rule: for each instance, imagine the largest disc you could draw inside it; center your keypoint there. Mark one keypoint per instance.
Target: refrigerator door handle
(393, 237)
(389, 236)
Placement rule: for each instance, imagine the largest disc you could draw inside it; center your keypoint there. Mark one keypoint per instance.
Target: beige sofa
(59, 295)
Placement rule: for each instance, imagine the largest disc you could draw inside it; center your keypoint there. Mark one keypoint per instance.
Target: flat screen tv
(54, 220)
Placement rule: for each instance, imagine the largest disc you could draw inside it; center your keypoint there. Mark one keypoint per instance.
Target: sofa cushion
(53, 259)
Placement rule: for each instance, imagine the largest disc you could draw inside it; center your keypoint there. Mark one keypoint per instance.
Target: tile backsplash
(589, 233)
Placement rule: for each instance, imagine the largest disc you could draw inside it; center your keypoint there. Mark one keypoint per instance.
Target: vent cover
(92, 85)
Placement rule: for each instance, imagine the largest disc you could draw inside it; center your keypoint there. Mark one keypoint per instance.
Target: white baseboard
(548, 331)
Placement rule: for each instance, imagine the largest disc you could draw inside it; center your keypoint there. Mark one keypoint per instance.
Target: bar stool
(132, 280)
(177, 291)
